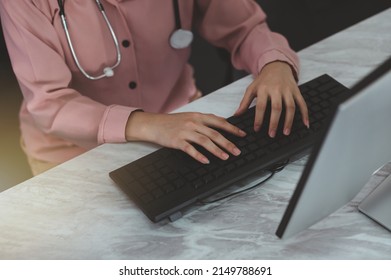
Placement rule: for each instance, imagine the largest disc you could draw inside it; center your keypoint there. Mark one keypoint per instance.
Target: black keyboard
(166, 181)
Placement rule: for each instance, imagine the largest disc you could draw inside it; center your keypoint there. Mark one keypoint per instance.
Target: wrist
(280, 66)
(137, 126)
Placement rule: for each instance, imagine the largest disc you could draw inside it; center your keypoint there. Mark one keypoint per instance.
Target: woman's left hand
(276, 83)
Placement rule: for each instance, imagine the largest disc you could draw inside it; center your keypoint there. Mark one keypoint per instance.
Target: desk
(76, 212)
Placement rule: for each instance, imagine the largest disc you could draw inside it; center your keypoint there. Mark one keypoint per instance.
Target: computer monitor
(355, 144)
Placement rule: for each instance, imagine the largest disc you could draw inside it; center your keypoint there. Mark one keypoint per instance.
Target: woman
(110, 93)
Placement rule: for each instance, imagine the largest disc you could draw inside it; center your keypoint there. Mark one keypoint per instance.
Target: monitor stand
(377, 205)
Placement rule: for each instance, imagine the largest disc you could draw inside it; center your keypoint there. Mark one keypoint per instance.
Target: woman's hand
(181, 130)
(277, 83)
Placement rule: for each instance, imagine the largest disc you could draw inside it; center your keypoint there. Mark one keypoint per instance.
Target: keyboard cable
(273, 170)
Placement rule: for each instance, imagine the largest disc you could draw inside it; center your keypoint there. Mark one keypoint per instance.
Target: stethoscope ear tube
(178, 24)
(61, 7)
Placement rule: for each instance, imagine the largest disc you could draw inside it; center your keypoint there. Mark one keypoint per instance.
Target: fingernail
(236, 151)
(242, 133)
(225, 156)
(287, 131)
(307, 123)
(205, 160)
(257, 127)
(272, 133)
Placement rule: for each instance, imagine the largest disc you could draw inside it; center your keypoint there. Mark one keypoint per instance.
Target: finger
(260, 111)
(221, 123)
(217, 139)
(276, 108)
(289, 103)
(193, 152)
(205, 142)
(246, 100)
(303, 108)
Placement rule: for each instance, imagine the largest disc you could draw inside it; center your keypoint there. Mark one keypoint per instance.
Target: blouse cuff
(112, 127)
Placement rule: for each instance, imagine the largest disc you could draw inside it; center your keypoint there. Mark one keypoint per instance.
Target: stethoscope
(179, 39)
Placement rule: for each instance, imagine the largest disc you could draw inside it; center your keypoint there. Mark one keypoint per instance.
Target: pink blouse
(65, 114)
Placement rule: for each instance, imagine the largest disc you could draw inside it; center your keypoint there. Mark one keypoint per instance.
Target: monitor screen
(356, 143)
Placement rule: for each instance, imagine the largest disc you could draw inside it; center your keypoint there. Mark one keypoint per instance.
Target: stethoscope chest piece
(181, 38)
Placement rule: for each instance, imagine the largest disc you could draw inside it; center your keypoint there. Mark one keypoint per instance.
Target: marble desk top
(75, 211)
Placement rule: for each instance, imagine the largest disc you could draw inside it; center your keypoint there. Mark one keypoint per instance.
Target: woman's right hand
(181, 130)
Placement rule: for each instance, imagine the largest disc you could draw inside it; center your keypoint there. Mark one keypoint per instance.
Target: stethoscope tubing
(179, 39)
(108, 71)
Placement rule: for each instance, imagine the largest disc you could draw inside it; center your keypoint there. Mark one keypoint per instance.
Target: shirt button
(132, 85)
(125, 43)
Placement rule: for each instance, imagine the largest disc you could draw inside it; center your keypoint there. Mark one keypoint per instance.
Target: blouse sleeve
(240, 27)
(38, 61)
